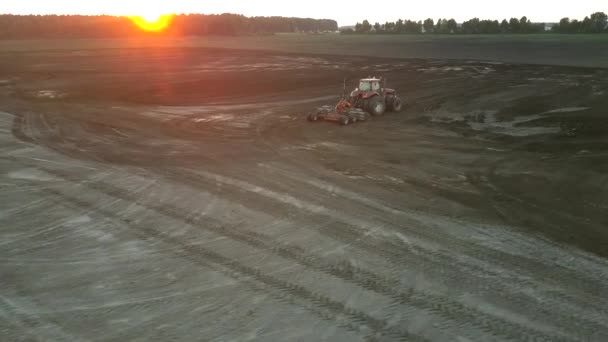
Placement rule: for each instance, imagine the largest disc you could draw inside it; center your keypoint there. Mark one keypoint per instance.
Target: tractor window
(375, 85)
(364, 86)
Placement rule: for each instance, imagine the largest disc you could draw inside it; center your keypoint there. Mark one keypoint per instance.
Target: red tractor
(373, 97)
(370, 98)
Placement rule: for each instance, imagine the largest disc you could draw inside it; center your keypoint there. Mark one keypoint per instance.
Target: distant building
(549, 26)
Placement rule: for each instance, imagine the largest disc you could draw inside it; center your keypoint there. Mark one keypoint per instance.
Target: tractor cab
(369, 84)
(368, 87)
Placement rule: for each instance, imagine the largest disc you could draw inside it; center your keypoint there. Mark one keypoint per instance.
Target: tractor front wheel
(376, 106)
(313, 117)
(344, 121)
(396, 105)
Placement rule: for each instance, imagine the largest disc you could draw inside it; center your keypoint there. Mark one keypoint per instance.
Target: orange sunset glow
(152, 22)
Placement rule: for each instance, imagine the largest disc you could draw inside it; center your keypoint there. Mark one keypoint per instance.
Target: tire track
(382, 209)
(445, 308)
(533, 267)
(29, 323)
(507, 261)
(394, 252)
(197, 253)
(18, 129)
(184, 251)
(177, 299)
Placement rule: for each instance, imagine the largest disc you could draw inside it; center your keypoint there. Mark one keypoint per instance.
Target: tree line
(105, 26)
(596, 23)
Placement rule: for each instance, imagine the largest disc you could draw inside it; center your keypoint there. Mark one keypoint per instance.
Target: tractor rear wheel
(376, 106)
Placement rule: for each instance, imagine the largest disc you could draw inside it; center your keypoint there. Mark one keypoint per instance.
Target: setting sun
(152, 22)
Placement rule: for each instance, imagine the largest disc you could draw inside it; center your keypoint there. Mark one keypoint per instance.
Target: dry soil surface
(180, 194)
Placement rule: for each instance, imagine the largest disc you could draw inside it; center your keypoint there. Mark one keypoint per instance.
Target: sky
(346, 12)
